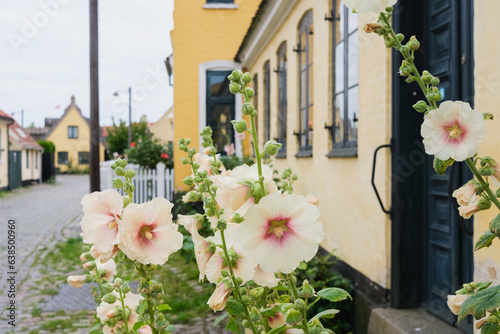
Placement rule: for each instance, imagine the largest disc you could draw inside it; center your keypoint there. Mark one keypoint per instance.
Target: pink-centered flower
(101, 221)
(281, 231)
(455, 302)
(109, 267)
(467, 211)
(242, 267)
(149, 235)
(105, 311)
(465, 194)
(453, 130)
(369, 6)
(218, 299)
(202, 249)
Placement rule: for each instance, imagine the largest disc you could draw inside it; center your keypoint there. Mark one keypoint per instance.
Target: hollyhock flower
(281, 231)
(473, 208)
(276, 321)
(109, 266)
(465, 194)
(132, 144)
(116, 155)
(205, 162)
(455, 302)
(101, 221)
(265, 279)
(105, 311)
(453, 131)
(218, 299)
(369, 6)
(164, 155)
(202, 249)
(243, 268)
(149, 235)
(229, 149)
(240, 136)
(495, 177)
(77, 281)
(145, 330)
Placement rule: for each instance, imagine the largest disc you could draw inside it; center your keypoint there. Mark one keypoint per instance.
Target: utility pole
(94, 99)
(129, 116)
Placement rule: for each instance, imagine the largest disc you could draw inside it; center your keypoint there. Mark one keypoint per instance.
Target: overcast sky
(44, 58)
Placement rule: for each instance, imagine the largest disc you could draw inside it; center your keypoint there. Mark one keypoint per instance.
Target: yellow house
(163, 129)
(29, 152)
(5, 121)
(71, 137)
(205, 39)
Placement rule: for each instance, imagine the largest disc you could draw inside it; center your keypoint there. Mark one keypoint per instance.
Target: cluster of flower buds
(128, 187)
(288, 178)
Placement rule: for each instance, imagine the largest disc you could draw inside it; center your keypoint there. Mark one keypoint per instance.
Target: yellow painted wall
(487, 99)
(4, 154)
(201, 35)
(59, 137)
(164, 128)
(355, 225)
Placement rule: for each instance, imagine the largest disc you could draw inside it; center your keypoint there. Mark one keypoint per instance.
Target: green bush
(148, 152)
(118, 136)
(48, 146)
(232, 161)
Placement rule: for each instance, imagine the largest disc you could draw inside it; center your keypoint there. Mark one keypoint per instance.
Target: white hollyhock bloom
(453, 130)
(109, 266)
(105, 311)
(265, 279)
(281, 231)
(243, 268)
(218, 299)
(77, 281)
(369, 6)
(202, 249)
(101, 221)
(149, 235)
(455, 302)
(465, 194)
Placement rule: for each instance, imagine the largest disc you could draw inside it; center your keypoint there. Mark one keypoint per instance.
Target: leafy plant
(118, 135)
(48, 146)
(148, 152)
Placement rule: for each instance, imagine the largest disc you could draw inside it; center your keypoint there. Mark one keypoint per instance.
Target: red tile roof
(18, 134)
(4, 115)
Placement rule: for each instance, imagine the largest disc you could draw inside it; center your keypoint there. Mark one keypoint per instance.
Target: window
(36, 159)
(27, 158)
(267, 103)
(282, 99)
(72, 132)
(345, 105)
(220, 109)
(62, 158)
(83, 158)
(305, 51)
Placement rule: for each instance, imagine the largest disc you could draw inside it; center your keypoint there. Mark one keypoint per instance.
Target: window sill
(344, 152)
(304, 154)
(220, 6)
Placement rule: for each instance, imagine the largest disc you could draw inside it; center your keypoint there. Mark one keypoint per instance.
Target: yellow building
(5, 121)
(163, 129)
(205, 39)
(29, 153)
(71, 137)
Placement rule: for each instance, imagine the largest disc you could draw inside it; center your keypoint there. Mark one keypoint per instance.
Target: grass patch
(52, 325)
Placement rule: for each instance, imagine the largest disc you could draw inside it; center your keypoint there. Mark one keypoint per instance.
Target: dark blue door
(15, 177)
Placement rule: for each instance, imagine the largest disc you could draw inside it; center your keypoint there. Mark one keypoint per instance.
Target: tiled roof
(18, 134)
(4, 115)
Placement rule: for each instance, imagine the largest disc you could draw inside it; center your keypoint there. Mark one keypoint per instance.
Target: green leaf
(234, 308)
(495, 226)
(142, 307)
(97, 329)
(490, 328)
(334, 294)
(302, 266)
(485, 240)
(440, 165)
(480, 302)
(268, 312)
(219, 319)
(277, 329)
(326, 314)
(138, 325)
(482, 285)
(231, 325)
(164, 307)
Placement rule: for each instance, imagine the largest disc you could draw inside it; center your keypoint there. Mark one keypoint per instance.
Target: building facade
(5, 121)
(28, 152)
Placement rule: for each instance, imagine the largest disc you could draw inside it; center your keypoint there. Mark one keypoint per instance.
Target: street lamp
(129, 114)
(169, 64)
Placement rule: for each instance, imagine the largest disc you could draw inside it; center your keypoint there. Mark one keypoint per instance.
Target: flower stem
(472, 167)
(148, 301)
(257, 154)
(125, 321)
(296, 296)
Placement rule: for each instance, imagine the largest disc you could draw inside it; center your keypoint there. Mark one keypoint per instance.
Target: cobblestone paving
(44, 215)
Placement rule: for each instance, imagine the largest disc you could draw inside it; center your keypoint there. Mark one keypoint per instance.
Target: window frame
(266, 83)
(305, 27)
(74, 132)
(80, 158)
(282, 116)
(346, 147)
(58, 158)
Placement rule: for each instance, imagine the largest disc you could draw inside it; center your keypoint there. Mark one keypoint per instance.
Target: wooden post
(94, 99)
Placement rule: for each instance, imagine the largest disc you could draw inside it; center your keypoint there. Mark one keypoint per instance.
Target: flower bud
(237, 218)
(255, 315)
(315, 326)
(109, 298)
(247, 77)
(300, 304)
(126, 200)
(184, 161)
(117, 183)
(484, 203)
(413, 43)
(108, 287)
(188, 181)
(193, 196)
(240, 126)
(306, 291)
(120, 171)
(248, 108)
(128, 187)
(435, 81)
(234, 88)
(89, 265)
(426, 77)
(123, 163)
(113, 166)
(249, 92)
(125, 288)
(389, 41)
(293, 316)
(210, 212)
(257, 292)
(86, 256)
(77, 281)
(486, 171)
(236, 75)
(271, 148)
(130, 173)
(400, 37)
(420, 106)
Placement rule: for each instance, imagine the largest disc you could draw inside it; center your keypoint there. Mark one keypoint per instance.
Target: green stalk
(486, 186)
(296, 296)
(125, 321)
(148, 301)
(257, 154)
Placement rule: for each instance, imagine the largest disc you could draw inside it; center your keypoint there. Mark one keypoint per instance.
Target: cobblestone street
(45, 215)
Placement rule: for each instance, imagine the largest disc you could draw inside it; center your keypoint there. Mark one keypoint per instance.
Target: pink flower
(229, 149)
(77, 281)
(101, 221)
(202, 249)
(116, 155)
(281, 231)
(105, 311)
(453, 130)
(468, 210)
(243, 267)
(149, 235)
(240, 136)
(496, 177)
(465, 194)
(263, 278)
(109, 267)
(164, 156)
(217, 301)
(455, 302)
(145, 330)
(132, 144)
(276, 321)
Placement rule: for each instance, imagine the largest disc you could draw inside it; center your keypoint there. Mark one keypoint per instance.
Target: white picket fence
(149, 183)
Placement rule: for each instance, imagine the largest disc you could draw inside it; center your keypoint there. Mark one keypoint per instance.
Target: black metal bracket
(328, 127)
(297, 49)
(373, 177)
(331, 18)
(276, 70)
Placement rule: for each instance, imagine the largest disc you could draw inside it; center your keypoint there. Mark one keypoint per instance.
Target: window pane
(267, 106)
(303, 127)
(352, 21)
(303, 89)
(311, 86)
(282, 102)
(310, 125)
(339, 24)
(310, 46)
(302, 53)
(219, 120)
(218, 84)
(339, 67)
(353, 113)
(353, 61)
(83, 158)
(62, 158)
(339, 118)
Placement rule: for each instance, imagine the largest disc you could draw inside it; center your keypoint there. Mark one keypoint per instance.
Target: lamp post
(129, 114)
